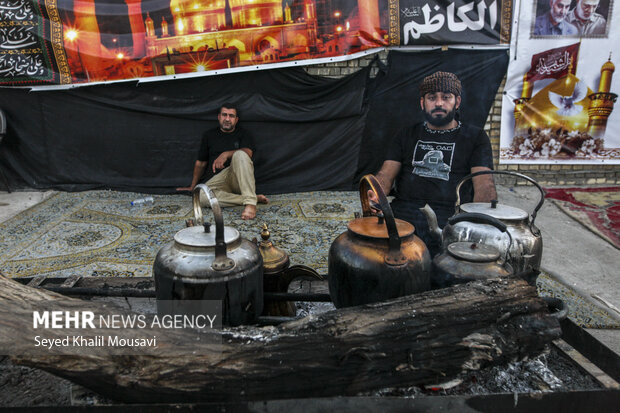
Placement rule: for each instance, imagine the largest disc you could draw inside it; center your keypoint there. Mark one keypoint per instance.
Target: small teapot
(462, 262)
(473, 222)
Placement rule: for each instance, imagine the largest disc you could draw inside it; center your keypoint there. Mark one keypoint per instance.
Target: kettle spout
(431, 218)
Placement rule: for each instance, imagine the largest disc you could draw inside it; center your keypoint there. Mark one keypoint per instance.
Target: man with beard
(585, 18)
(553, 23)
(426, 161)
(228, 149)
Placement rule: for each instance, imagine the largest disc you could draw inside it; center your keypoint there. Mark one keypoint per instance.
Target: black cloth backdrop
(311, 133)
(395, 99)
(145, 137)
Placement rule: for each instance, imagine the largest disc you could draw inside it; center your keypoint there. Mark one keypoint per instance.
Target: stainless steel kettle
(462, 262)
(221, 266)
(474, 222)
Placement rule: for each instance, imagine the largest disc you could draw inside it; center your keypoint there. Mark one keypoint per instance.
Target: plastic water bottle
(142, 201)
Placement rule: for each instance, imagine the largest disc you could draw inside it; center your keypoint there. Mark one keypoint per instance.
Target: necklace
(441, 131)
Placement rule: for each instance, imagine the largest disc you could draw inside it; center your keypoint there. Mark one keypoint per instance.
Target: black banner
(30, 44)
(441, 22)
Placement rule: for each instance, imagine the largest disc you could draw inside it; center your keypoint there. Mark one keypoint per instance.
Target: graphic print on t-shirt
(433, 159)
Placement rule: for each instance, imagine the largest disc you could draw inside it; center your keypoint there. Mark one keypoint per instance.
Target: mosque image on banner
(71, 41)
(566, 120)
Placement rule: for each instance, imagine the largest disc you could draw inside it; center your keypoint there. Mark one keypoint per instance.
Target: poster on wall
(73, 42)
(560, 94)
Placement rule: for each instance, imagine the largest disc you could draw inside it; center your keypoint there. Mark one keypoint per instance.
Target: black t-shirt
(434, 163)
(214, 142)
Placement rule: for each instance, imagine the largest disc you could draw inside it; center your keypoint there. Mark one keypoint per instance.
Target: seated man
(228, 149)
(585, 18)
(554, 21)
(428, 160)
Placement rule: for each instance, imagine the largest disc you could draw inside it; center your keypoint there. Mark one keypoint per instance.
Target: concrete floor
(572, 254)
(13, 203)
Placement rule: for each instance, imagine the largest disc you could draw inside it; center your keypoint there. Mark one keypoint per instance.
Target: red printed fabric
(554, 63)
(600, 207)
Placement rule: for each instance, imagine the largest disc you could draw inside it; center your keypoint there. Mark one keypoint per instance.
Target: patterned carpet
(598, 209)
(98, 233)
(581, 311)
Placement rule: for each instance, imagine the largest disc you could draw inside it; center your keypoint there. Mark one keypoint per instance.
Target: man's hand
(484, 185)
(374, 202)
(386, 175)
(219, 162)
(199, 167)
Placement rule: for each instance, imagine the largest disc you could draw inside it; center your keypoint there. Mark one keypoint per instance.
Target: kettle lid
(473, 251)
(374, 227)
(496, 210)
(199, 236)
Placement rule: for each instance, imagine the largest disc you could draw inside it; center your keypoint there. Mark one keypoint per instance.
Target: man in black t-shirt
(228, 149)
(426, 161)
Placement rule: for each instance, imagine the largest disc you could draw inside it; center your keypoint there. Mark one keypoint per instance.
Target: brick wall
(339, 69)
(546, 175)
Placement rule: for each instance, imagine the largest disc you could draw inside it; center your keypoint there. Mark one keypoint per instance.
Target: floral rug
(99, 233)
(598, 209)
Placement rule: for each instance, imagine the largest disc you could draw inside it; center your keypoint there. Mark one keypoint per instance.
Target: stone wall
(546, 175)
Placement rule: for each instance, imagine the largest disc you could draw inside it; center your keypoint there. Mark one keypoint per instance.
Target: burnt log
(424, 338)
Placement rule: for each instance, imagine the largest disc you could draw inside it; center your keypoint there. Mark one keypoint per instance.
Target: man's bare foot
(262, 199)
(249, 212)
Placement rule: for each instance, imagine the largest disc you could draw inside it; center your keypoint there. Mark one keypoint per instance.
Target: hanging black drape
(311, 133)
(145, 136)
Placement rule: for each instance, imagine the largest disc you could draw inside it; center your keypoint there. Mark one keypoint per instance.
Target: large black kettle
(378, 257)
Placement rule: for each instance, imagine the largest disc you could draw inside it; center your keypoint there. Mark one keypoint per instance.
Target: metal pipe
(297, 297)
(143, 293)
(273, 320)
(94, 292)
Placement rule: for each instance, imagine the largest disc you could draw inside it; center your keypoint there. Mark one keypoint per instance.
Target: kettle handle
(221, 261)
(479, 218)
(527, 178)
(484, 219)
(370, 182)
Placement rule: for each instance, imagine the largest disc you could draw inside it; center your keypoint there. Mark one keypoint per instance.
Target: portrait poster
(559, 103)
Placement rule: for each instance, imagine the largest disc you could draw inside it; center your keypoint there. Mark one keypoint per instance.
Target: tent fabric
(311, 133)
(145, 137)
